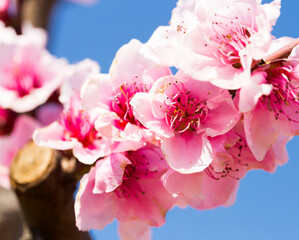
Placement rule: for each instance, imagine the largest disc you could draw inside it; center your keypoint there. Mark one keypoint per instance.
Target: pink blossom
(28, 73)
(75, 128)
(111, 93)
(4, 5)
(125, 186)
(242, 153)
(217, 185)
(10, 144)
(216, 41)
(270, 102)
(184, 113)
(76, 76)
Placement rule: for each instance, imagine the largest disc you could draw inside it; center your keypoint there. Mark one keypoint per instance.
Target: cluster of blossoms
(29, 79)
(156, 137)
(30, 82)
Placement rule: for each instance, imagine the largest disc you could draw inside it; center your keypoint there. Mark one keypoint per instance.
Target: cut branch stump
(44, 181)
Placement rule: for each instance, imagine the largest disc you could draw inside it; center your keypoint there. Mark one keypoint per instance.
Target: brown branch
(281, 53)
(36, 11)
(10, 219)
(44, 182)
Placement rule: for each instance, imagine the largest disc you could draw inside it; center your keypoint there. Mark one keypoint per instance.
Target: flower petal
(187, 153)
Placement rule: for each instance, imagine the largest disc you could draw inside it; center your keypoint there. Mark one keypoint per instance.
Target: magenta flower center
(23, 80)
(184, 112)
(121, 104)
(232, 169)
(78, 125)
(229, 37)
(228, 171)
(136, 172)
(283, 100)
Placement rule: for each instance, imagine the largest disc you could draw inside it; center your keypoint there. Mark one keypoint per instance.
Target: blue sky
(267, 205)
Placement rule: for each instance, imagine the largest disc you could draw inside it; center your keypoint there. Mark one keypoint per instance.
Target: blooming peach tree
(176, 121)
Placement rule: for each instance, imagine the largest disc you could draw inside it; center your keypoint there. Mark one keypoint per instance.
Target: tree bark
(44, 181)
(10, 219)
(36, 11)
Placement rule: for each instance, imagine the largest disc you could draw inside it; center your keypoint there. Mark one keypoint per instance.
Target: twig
(281, 53)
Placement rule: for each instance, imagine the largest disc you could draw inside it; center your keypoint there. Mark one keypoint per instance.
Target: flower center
(136, 172)
(121, 104)
(78, 125)
(23, 81)
(229, 37)
(228, 171)
(283, 100)
(184, 113)
(233, 169)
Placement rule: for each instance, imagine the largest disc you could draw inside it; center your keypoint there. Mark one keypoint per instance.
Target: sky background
(267, 205)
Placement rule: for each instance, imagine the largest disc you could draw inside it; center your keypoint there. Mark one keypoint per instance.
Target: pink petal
(187, 153)
(104, 125)
(222, 115)
(259, 131)
(92, 210)
(4, 5)
(52, 136)
(124, 67)
(126, 145)
(97, 92)
(150, 207)
(132, 133)
(109, 173)
(203, 191)
(134, 230)
(272, 11)
(252, 91)
(78, 75)
(162, 45)
(143, 112)
(280, 150)
(88, 155)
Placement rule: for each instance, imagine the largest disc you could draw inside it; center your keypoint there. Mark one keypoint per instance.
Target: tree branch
(45, 181)
(36, 11)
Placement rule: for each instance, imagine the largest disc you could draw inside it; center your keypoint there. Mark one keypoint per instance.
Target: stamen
(121, 104)
(230, 37)
(184, 113)
(283, 100)
(23, 81)
(78, 125)
(138, 169)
